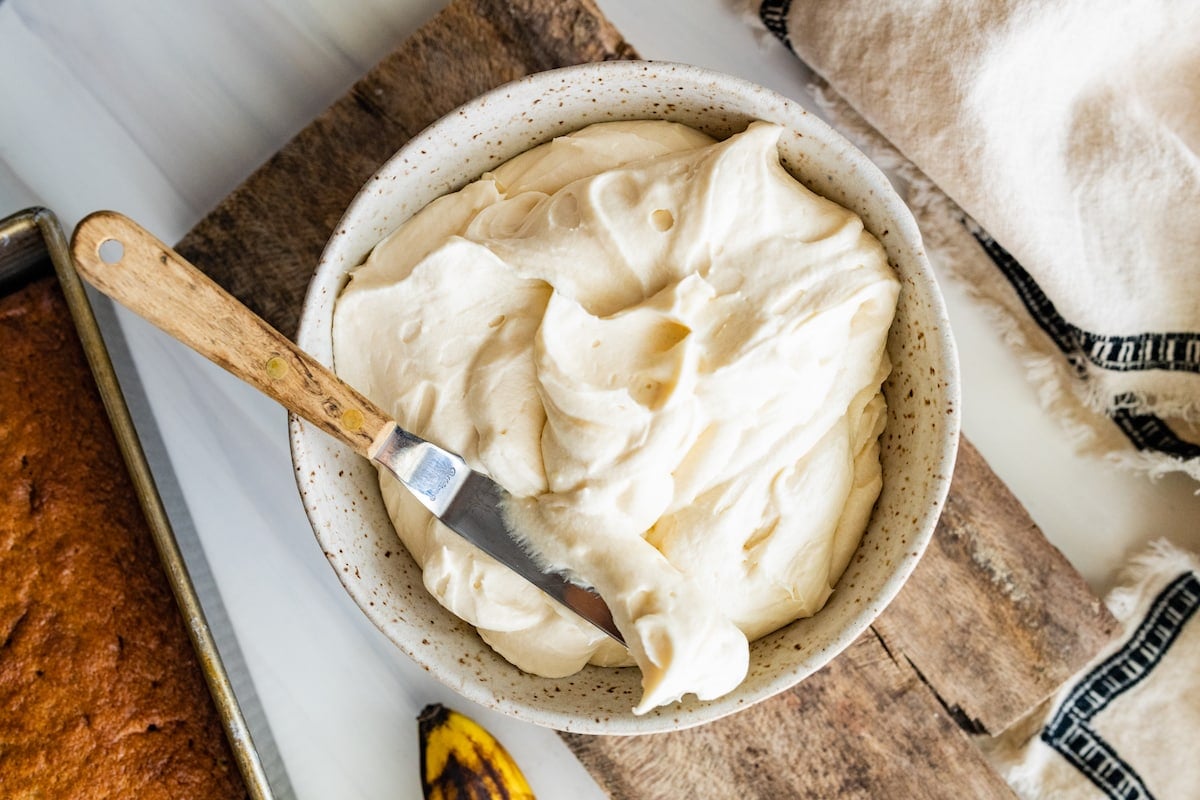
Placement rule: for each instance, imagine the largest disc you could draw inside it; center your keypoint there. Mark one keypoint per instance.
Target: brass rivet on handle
(277, 367)
(352, 419)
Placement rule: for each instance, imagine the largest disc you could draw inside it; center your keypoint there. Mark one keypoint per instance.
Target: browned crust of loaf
(101, 694)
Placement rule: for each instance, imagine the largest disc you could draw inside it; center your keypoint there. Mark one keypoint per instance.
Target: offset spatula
(127, 263)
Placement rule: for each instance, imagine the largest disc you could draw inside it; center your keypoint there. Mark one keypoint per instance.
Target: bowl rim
(332, 269)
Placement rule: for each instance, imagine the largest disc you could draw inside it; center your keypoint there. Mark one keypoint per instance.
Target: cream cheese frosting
(670, 353)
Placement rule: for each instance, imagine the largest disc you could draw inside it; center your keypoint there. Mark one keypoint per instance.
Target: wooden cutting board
(993, 620)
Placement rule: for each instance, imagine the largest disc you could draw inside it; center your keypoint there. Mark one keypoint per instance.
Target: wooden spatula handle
(154, 281)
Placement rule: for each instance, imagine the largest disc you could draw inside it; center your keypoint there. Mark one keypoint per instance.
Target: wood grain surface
(993, 620)
(863, 728)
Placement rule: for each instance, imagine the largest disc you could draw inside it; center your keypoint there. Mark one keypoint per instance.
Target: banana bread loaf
(101, 693)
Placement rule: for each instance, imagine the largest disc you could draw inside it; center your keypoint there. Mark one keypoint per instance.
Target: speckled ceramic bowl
(340, 490)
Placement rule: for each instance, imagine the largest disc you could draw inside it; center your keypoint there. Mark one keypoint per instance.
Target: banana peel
(460, 760)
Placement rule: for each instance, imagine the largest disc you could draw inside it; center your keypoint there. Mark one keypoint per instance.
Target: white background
(158, 109)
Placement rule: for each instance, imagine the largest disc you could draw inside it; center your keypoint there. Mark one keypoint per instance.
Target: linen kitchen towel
(1053, 153)
(1125, 726)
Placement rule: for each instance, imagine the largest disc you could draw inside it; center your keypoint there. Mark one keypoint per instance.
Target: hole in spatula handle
(111, 251)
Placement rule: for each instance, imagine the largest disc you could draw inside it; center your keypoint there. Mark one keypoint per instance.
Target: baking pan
(32, 244)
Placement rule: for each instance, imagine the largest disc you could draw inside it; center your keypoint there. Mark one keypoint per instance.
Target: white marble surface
(158, 108)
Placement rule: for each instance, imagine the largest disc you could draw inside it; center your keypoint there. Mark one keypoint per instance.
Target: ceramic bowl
(340, 490)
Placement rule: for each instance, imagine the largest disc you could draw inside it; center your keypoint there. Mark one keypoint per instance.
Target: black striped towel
(1052, 149)
(1125, 726)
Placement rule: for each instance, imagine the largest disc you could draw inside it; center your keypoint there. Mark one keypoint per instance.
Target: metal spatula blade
(127, 263)
(470, 504)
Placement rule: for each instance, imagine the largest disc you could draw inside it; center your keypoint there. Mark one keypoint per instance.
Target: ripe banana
(460, 760)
